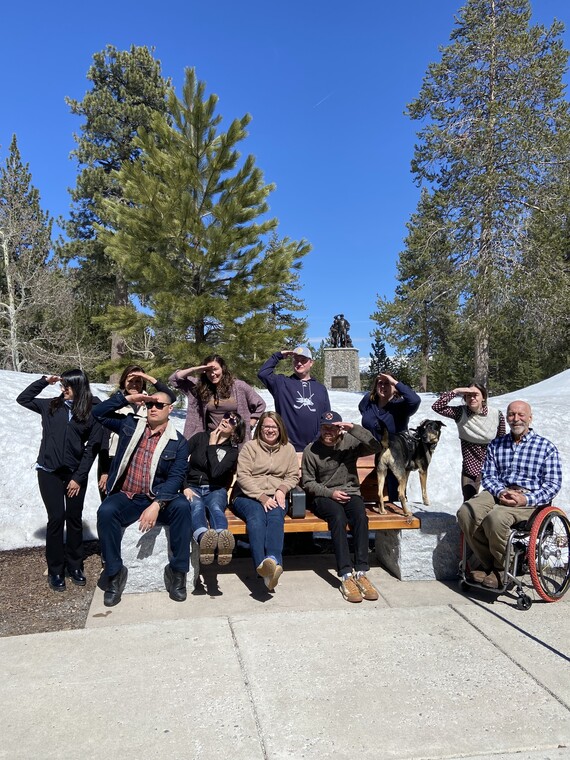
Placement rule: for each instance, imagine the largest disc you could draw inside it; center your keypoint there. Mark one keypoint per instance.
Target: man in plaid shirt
(144, 484)
(521, 471)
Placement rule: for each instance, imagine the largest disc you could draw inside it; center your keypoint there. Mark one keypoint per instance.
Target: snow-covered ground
(22, 514)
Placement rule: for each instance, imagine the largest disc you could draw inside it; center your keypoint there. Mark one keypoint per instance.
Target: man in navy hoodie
(299, 398)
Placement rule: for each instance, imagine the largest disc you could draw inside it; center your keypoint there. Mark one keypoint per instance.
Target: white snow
(22, 513)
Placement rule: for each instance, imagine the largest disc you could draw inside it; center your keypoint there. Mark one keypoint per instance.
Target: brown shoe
(273, 580)
(366, 588)
(208, 545)
(477, 576)
(267, 568)
(350, 590)
(494, 580)
(226, 544)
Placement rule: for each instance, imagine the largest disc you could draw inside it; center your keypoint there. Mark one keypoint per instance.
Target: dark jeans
(264, 529)
(338, 516)
(62, 511)
(118, 511)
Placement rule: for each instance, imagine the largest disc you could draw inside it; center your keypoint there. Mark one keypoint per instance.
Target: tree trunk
(118, 346)
(482, 355)
(11, 311)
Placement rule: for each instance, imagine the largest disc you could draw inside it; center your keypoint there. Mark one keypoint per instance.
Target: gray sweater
(326, 469)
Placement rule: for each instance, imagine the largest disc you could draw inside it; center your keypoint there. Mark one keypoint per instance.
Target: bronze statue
(339, 337)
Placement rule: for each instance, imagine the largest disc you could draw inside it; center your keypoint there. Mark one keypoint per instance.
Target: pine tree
(493, 110)
(420, 320)
(379, 361)
(37, 330)
(127, 88)
(194, 239)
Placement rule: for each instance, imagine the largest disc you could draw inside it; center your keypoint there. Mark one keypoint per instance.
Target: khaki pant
(486, 526)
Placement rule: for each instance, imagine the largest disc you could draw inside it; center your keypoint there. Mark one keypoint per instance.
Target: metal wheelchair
(536, 558)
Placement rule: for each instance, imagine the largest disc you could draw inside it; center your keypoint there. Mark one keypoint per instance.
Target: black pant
(62, 511)
(338, 516)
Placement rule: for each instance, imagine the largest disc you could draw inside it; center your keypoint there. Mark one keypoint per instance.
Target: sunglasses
(230, 418)
(159, 404)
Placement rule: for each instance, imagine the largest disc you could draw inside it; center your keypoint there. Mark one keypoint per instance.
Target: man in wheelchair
(521, 471)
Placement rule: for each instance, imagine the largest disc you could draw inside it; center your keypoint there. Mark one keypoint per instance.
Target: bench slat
(392, 520)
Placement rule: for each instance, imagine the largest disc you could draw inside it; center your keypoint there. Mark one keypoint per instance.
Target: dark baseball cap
(329, 418)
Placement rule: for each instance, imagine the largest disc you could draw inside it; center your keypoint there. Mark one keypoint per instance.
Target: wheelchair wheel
(548, 547)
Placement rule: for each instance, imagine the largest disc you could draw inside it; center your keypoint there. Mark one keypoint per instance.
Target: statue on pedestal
(339, 337)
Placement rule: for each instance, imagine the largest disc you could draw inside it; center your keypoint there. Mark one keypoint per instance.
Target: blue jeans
(264, 529)
(118, 511)
(212, 502)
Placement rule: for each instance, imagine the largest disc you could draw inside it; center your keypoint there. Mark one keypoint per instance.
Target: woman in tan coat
(267, 469)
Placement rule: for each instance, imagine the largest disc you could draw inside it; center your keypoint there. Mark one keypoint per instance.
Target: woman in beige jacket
(267, 469)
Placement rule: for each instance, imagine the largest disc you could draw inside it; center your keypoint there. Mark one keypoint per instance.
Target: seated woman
(267, 470)
(211, 466)
(477, 425)
(214, 393)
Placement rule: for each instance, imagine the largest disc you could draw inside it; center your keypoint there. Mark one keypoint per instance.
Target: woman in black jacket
(211, 466)
(70, 442)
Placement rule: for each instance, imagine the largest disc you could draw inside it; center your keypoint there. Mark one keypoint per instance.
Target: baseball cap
(303, 351)
(329, 418)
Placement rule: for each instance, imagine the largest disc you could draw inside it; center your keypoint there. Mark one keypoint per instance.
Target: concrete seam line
(248, 690)
(508, 656)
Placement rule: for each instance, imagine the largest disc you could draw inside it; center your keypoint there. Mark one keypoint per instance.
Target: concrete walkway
(238, 673)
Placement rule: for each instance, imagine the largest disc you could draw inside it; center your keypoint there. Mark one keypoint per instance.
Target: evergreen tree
(493, 110)
(379, 361)
(420, 320)
(192, 238)
(37, 331)
(127, 88)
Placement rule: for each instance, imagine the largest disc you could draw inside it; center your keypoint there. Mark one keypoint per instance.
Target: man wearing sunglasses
(299, 398)
(144, 484)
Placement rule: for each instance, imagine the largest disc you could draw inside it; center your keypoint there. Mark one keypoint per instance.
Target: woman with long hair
(211, 467)
(70, 442)
(477, 425)
(133, 380)
(213, 393)
(267, 469)
(388, 405)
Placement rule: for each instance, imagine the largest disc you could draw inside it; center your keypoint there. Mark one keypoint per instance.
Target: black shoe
(76, 576)
(115, 588)
(175, 583)
(56, 582)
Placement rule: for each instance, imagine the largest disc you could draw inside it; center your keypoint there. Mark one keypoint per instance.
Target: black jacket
(212, 466)
(66, 445)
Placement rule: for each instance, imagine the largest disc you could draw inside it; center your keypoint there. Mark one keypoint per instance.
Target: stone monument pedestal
(342, 372)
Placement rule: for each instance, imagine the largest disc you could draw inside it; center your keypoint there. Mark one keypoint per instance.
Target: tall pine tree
(493, 110)
(127, 88)
(195, 241)
(420, 320)
(37, 329)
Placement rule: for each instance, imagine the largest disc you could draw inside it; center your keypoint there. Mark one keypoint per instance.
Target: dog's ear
(441, 424)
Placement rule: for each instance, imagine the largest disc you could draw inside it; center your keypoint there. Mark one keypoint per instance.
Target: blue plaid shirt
(533, 465)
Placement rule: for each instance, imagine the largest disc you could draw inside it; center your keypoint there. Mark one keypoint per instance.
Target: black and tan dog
(403, 453)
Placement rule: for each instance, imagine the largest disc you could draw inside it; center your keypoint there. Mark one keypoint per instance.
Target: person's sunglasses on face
(159, 404)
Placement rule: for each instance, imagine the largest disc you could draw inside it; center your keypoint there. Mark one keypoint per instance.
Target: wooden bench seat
(394, 519)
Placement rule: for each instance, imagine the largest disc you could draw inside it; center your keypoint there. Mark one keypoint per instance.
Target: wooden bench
(394, 519)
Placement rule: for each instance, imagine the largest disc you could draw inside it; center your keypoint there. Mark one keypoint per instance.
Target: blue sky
(326, 83)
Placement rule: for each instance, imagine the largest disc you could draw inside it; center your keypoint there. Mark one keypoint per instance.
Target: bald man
(521, 472)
